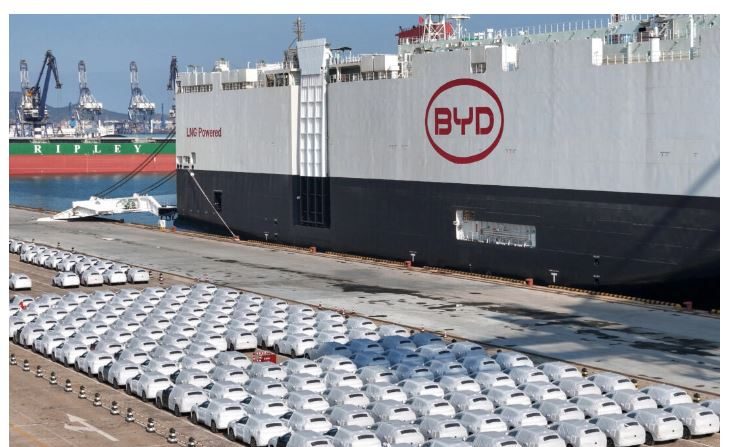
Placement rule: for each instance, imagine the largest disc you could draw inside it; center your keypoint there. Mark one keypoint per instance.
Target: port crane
(33, 101)
(141, 109)
(173, 86)
(88, 109)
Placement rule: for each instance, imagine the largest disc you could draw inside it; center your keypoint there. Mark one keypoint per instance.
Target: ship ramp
(99, 206)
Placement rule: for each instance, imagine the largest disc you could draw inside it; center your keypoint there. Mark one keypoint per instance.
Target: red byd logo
(464, 121)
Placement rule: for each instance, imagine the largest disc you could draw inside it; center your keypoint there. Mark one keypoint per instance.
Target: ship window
(312, 201)
(218, 200)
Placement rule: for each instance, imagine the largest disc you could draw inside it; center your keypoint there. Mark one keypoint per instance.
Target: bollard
(52, 378)
(13, 361)
(97, 402)
(192, 442)
(171, 438)
(26, 365)
(67, 386)
(584, 372)
(39, 371)
(129, 416)
(114, 409)
(696, 398)
(151, 427)
(82, 392)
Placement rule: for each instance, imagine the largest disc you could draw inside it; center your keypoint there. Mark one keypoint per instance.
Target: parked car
(520, 416)
(468, 401)
(377, 374)
(433, 427)
(232, 359)
(20, 281)
(240, 340)
(336, 363)
(534, 436)
(302, 366)
(478, 421)
(305, 382)
(307, 401)
(557, 410)
(501, 396)
(347, 396)
(385, 391)
(226, 390)
(256, 430)
(659, 425)
(294, 345)
(301, 439)
(577, 386)
(610, 382)
(631, 400)
(621, 431)
(119, 373)
(192, 377)
(65, 279)
(229, 373)
(412, 371)
(488, 380)
(304, 420)
(478, 363)
(454, 383)
(540, 391)
(353, 437)
(147, 384)
(217, 414)
(465, 349)
(666, 395)
(180, 398)
(349, 416)
(342, 379)
(712, 404)
(137, 276)
(507, 359)
(421, 387)
(697, 420)
(526, 374)
(390, 410)
(578, 433)
(431, 406)
(492, 439)
(267, 336)
(266, 387)
(267, 405)
(594, 406)
(68, 352)
(91, 278)
(267, 370)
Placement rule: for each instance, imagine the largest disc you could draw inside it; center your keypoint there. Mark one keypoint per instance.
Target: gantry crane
(141, 109)
(88, 109)
(173, 86)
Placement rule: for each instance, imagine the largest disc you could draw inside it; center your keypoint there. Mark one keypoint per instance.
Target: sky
(107, 44)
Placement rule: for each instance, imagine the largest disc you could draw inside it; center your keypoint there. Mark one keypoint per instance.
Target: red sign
(264, 356)
(464, 121)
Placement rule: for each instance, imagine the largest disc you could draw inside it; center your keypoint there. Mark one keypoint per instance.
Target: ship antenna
(298, 29)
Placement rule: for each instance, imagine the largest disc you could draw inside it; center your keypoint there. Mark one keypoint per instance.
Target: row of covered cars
(348, 383)
(76, 269)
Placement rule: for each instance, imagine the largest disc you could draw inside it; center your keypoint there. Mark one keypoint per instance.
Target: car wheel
(293, 353)
(610, 442)
(253, 443)
(158, 403)
(649, 439)
(230, 435)
(194, 418)
(177, 412)
(276, 350)
(143, 396)
(687, 433)
(114, 383)
(213, 427)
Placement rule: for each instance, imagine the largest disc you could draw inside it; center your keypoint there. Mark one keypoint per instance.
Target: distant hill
(57, 114)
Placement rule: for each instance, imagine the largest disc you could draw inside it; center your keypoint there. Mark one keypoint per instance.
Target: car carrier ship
(582, 155)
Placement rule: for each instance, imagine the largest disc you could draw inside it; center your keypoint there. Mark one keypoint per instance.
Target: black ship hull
(654, 246)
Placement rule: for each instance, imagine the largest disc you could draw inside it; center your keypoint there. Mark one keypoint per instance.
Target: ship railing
(560, 27)
(664, 56)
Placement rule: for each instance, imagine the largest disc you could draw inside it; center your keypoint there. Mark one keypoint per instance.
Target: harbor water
(58, 192)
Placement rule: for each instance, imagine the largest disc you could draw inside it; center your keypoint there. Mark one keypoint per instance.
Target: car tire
(649, 439)
(687, 433)
(253, 443)
(230, 435)
(158, 404)
(213, 427)
(177, 412)
(193, 417)
(143, 396)
(610, 442)
(276, 349)
(114, 383)
(293, 353)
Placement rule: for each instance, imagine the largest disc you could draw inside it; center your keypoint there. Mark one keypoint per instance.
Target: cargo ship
(106, 155)
(584, 155)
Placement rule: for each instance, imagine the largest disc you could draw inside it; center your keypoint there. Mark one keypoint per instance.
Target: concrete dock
(663, 344)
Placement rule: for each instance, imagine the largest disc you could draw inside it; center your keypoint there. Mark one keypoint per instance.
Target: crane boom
(34, 100)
